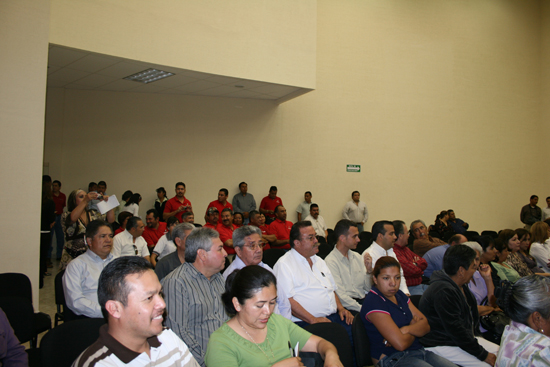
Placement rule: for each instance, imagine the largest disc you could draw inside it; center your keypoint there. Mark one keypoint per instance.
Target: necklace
(251, 338)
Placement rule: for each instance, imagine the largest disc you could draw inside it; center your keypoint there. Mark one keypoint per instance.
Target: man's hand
(368, 262)
(491, 359)
(345, 315)
(317, 320)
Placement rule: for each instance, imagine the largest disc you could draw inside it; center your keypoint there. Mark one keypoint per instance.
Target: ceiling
(77, 69)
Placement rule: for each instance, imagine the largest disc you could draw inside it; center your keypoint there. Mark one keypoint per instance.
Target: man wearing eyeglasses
(305, 279)
(423, 242)
(248, 244)
(130, 242)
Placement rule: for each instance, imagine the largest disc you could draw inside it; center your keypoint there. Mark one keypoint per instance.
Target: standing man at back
(220, 204)
(356, 211)
(269, 203)
(178, 205)
(303, 207)
(243, 202)
(531, 213)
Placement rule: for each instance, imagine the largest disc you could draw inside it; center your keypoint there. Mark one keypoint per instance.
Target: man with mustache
(423, 242)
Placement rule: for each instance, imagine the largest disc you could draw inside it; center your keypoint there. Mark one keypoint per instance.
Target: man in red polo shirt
(280, 227)
(178, 204)
(269, 203)
(212, 215)
(225, 229)
(220, 204)
(257, 219)
(155, 229)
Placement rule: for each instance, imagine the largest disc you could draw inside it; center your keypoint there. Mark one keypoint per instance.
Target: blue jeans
(60, 238)
(415, 358)
(417, 290)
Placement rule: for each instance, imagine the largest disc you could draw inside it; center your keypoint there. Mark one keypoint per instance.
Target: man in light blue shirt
(82, 275)
(434, 257)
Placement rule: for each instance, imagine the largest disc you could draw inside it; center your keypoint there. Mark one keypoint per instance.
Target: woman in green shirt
(254, 336)
(505, 271)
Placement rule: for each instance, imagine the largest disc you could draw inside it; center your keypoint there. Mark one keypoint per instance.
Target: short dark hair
(102, 183)
(171, 220)
(383, 263)
(187, 214)
(547, 198)
(398, 227)
(132, 222)
(161, 189)
(242, 183)
(533, 197)
(225, 192)
(238, 213)
(57, 182)
(180, 184)
(355, 192)
(91, 184)
(154, 211)
(485, 241)
(295, 230)
(253, 213)
(127, 195)
(243, 284)
(308, 192)
(500, 245)
(450, 210)
(378, 228)
(277, 208)
(122, 216)
(112, 281)
(342, 228)
(93, 227)
(313, 206)
(273, 188)
(456, 257)
(227, 210)
(506, 235)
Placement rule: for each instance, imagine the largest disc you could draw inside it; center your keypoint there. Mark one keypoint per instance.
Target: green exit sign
(353, 168)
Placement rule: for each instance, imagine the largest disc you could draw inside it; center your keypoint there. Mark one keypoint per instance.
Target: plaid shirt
(412, 264)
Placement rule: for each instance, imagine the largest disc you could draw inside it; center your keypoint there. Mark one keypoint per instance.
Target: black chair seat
(271, 256)
(19, 312)
(42, 322)
(361, 342)
(324, 250)
(337, 335)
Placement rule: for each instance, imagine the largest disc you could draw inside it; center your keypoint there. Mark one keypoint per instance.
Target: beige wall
(438, 101)
(24, 50)
(545, 96)
(265, 40)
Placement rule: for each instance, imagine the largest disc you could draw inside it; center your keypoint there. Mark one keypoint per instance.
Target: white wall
(438, 101)
(24, 50)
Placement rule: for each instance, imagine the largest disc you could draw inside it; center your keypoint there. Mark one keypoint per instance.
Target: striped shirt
(194, 306)
(166, 350)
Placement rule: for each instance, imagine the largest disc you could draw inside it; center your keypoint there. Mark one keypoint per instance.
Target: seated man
(248, 245)
(384, 237)
(306, 280)
(317, 221)
(154, 230)
(413, 265)
(212, 215)
(225, 229)
(280, 227)
(189, 217)
(220, 204)
(193, 291)
(130, 242)
(170, 262)
(423, 242)
(451, 310)
(434, 257)
(82, 274)
(348, 267)
(131, 301)
(458, 225)
(257, 219)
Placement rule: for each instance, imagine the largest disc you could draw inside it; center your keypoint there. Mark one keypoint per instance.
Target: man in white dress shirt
(306, 280)
(249, 248)
(317, 221)
(348, 267)
(82, 274)
(384, 239)
(356, 211)
(130, 242)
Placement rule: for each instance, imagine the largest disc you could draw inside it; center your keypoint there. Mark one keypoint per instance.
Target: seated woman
(254, 336)
(442, 225)
(526, 341)
(504, 270)
(393, 323)
(488, 255)
(511, 239)
(540, 249)
(238, 220)
(165, 245)
(524, 244)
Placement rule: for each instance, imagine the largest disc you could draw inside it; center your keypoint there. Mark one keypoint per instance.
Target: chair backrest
(366, 241)
(324, 250)
(20, 314)
(331, 238)
(59, 293)
(471, 235)
(361, 342)
(271, 256)
(337, 335)
(493, 234)
(64, 343)
(16, 285)
(415, 300)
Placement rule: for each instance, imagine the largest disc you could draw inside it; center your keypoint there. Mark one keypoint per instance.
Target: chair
(63, 344)
(361, 342)
(493, 234)
(435, 234)
(272, 255)
(337, 335)
(63, 313)
(19, 285)
(19, 312)
(415, 300)
(324, 250)
(471, 235)
(366, 241)
(331, 238)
